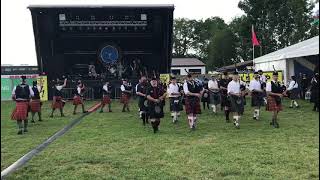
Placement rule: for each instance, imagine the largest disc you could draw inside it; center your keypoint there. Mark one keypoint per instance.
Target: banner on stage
(246, 77)
(165, 78)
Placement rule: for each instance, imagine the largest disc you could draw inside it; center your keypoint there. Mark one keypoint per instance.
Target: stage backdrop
(8, 82)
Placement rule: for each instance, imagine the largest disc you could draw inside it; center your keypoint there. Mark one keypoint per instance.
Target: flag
(254, 39)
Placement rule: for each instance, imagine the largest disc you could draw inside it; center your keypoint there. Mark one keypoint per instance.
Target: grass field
(116, 146)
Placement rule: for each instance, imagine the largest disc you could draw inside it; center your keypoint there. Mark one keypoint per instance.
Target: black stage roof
(66, 35)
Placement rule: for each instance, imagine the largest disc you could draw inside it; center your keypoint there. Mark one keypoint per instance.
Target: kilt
(35, 105)
(77, 100)
(272, 105)
(20, 112)
(225, 100)
(143, 104)
(124, 99)
(237, 104)
(257, 99)
(205, 99)
(294, 94)
(155, 111)
(215, 98)
(192, 105)
(176, 104)
(57, 102)
(105, 100)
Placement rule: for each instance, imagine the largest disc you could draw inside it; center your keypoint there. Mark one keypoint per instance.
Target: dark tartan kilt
(215, 98)
(124, 99)
(20, 112)
(77, 100)
(57, 102)
(257, 99)
(225, 100)
(176, 106)
(205, 99)
(272, 105)
(192, 106)
(237, 104)
(143, 104)
(294, 93)
(35, 105)
(105, 100)
(152, 112)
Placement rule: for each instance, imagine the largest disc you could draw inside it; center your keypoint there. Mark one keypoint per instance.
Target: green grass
(116, 146)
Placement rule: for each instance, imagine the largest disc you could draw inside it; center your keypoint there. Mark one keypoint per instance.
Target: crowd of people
(228, 91)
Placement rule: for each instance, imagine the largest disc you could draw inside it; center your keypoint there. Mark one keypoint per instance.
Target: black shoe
(62, 115)
(298, 106)
(100, 111)
(254, 118)
(25, 130)
(290, 107)
(110, 111)
(51, 116)
(84, 111)
(40, 119)
(271, 123)
(314, 109)
(237, 126)
(128, 110)
(154, 130)
(276, 125)
(20, 132)
(123, 110)
(33, 121)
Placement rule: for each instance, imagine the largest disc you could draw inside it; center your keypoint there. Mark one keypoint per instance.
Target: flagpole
(253, 49)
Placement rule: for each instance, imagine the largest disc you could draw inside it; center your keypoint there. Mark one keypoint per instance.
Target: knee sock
(190, 119)
(227, 112)
(291, 104)
(295, 103)
(20, 126)
(214, 108)
(25, 124)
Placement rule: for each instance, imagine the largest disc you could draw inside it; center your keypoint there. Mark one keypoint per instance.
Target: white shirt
(122, 88)
(137, 87)
(292, 85)
(263, 78)
(30, 89)
(254, 84)
(185, 87)
(234, 87)
(59, 88)
(79, 90)
(105, 87)
(173, 88)
(213, 84)
(268, 86)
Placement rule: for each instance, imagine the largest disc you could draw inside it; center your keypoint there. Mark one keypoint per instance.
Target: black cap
(153, 78)
(189, 76)
(34, 83)
(235, 73)
(23, 77)
(275, 73)
(173, 77)
(225, 73)
(256, 72)
(260, 70)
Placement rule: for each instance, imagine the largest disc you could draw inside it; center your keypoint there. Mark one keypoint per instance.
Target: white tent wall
(280, 65)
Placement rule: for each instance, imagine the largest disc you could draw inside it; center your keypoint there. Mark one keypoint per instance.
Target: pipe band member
(225, 102)
(106, 91)
(21, 94)
(35, 103)
(126, 91)
(78, 97)
(205, 99)
(275, 93)
(214, 89)
(192, 91)
(257, 94)
(293, 92)
(58, 102)
(156, 97)
(263, 81)
(141, 92)
(175, 99)
(315, 92)
(236, 99)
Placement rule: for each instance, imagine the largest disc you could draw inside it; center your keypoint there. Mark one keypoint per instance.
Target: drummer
(175, 99)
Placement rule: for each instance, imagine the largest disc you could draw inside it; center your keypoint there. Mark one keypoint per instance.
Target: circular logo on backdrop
(109, 54)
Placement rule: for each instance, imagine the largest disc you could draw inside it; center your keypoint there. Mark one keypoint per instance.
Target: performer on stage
(275, 93)
(156, 97)
(106, 91)
(225, 103)
(175, 99)
(236, 99)
(35, 103)
(58, 102)
(293, 92)
(126, 90)
(257, 95)
(205, 99)
(192, 91)
(21, 94)
(214, 90)
(141, 92)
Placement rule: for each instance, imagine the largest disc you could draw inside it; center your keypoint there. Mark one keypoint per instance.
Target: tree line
(277, 23)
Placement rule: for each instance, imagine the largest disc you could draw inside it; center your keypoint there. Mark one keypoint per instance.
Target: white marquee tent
(284, 59)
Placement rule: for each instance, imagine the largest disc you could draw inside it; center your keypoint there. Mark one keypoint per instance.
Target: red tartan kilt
(57, 102)
(272, 105)
(106, 100)
(35, 105)
(124, 98)
(21, 111)
(77, 100)
(196, 106)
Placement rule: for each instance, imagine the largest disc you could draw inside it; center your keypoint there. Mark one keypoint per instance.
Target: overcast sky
(17, 40)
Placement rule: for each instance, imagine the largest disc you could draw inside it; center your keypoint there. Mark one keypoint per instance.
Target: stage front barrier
(8, 82)
(68, 93)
